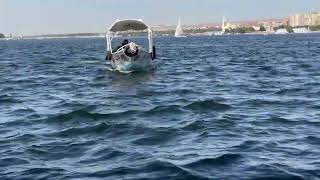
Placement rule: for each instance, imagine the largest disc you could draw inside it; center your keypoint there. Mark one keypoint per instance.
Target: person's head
(125, 41)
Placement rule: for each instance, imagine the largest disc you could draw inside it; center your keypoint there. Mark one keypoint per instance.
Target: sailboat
(223, 28)
(179, 31)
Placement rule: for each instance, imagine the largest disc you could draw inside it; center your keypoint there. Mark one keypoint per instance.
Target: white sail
(179, 31)
(223, 27)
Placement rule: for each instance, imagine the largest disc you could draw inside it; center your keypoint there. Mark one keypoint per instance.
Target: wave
(107, 129)
(84, 113)
(316, 106)
(48, 62)
(8, 99)
(24, 111)
(223, 160)
(266, 68)
(289, 91)
(165, 92)
(195, 125)
(277, 102)
(305, 66)
(26, 138)
(208, 105)
(54, 151)
(62, 79)
(272, 172)
(102, 155)
(247, 145)
(152, 170)
(164, 109)
(313, 140)
(277, 119)
(75, 131)
(6, 89)
(41, 173)
(171, 171)
(157, 136)
(6, 162)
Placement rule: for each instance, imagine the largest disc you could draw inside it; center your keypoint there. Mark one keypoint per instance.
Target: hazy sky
(65, 16)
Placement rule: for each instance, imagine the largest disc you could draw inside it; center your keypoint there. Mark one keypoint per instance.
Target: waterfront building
(313, 18)
(231, 26)
(297, 20)
(307, 19)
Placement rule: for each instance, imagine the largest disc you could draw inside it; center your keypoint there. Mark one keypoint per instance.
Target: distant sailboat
(223, 28)
(179, 31)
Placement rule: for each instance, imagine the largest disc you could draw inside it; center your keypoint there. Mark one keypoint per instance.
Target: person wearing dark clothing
(125, 42)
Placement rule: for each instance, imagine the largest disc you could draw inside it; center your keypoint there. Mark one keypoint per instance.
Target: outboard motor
(132, 50)
(154, 54)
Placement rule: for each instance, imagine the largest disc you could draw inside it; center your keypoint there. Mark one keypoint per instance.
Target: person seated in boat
(125, 42)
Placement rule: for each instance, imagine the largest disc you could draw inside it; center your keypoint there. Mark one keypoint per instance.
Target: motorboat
(130, 57)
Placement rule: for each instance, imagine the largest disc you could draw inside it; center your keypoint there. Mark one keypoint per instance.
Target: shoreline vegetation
(2, 36)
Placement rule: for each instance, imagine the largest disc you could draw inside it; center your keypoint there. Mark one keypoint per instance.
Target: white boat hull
(123, 63)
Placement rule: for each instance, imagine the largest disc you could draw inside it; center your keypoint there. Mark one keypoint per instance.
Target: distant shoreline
(94, 35)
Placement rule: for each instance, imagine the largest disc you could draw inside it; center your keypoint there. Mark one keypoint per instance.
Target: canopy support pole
(150, 37)
(109, 47)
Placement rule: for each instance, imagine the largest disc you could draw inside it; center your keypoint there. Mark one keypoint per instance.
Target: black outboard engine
(131, 50)
(153, 55)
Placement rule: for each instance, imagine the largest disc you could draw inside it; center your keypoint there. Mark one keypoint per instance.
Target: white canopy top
(129, 24)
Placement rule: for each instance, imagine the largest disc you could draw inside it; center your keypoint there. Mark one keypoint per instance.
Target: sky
(35, 17)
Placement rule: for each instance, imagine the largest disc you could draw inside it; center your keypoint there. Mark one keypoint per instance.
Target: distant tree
(315, 28)
(2, 35)
(289, 29)
(227, 31)
(262, 28)
(240, 30)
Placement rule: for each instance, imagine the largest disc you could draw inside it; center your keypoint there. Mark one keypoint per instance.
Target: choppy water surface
(229, 107)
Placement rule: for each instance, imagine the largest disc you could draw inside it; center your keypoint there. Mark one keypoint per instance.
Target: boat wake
(150, 68)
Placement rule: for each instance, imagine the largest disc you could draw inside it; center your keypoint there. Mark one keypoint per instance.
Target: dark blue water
(229, 107)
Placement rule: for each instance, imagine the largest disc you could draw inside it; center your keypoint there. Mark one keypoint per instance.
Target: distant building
(296, 20)
(231, 26)
(307, 19)
(313, 18)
